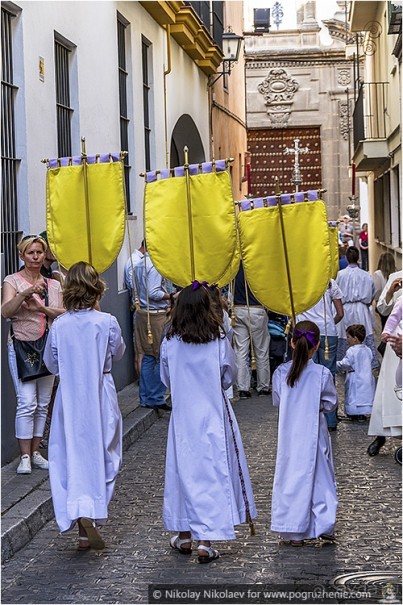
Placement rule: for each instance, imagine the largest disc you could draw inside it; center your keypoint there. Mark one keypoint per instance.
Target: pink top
(393, 323)
(28, 325)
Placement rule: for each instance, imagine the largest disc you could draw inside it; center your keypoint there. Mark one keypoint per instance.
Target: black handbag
(29, 354)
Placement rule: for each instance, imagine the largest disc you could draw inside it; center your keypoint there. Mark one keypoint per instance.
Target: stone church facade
(298, 88)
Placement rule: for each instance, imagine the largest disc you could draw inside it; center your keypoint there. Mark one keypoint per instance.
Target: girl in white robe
(359, 386)
(85, 444)
(207, 486)
(304, 500)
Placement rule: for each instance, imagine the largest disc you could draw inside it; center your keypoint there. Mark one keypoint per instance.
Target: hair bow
(309, 335)
(198, 284)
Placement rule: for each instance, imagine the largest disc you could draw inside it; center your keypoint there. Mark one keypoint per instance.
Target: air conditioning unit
(261, 20)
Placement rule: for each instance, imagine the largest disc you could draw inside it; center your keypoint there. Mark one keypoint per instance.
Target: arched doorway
(184, 134)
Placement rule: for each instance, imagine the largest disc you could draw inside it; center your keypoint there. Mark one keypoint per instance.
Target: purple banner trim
(165, 173)
(220, 165)
(286, 198)
(91, 159)
(193, 169)
(151, 177)
(207, 167)
(76, 160)
(179, 171)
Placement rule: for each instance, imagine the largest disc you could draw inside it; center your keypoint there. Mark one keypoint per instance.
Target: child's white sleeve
(164, 368)
(276, 386)
(328, 397)
(346, 363)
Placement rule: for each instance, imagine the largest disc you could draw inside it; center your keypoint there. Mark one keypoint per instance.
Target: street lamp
(231, 44)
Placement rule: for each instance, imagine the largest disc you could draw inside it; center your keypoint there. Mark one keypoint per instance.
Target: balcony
(369, 126)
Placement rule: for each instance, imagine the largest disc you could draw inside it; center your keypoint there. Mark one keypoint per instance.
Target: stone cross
(296, 150)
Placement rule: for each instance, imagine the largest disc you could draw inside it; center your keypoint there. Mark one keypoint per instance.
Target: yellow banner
(307, 238)
(207, 234)
(72, 237)
(334, 251)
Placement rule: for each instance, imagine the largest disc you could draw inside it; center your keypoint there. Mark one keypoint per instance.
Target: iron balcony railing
(369, 116)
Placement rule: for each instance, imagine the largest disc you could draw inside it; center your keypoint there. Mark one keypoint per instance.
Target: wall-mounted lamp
(231, 44)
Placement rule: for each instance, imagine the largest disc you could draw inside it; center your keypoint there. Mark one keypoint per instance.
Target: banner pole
(87, 205)
(287, 264)
(189, 205)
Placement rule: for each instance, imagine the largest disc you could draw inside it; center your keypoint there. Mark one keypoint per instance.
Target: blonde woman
(31, 302)
(85, 443)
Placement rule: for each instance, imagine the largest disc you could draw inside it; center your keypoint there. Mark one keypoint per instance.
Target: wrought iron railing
(369, 116)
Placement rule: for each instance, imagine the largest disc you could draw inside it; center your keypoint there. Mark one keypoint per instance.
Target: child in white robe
(85, 444)
(207, 486)
(304, 500)
(359, 386)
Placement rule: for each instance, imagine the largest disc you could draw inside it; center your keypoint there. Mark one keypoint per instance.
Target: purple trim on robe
(179, 171)
(151, 176)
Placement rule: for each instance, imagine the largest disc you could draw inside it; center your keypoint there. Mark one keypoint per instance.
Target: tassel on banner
(251, 524)
(150, 338)
(253, 362)
(288, 327)
(326, 349)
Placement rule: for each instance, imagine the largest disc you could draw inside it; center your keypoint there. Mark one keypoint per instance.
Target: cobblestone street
(368, 531)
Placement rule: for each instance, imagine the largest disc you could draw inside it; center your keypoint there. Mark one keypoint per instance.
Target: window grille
(63, 109)
(123, 104)
(9, 162)
(146, 102)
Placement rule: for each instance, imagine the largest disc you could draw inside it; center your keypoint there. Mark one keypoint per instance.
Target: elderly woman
(85, 445)
(31, 302)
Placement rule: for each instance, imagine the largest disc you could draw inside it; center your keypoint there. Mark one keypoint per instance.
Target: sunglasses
(31, 237)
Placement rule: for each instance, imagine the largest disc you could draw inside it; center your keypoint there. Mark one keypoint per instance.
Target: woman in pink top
(23, 303)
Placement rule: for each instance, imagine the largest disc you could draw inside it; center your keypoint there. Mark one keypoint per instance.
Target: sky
(325, 9)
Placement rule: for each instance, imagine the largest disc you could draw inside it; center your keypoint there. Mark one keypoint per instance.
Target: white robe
(85, 444)
(360, 382)
(386, 417)
(304, 499)
(203, 491)
(358, 292)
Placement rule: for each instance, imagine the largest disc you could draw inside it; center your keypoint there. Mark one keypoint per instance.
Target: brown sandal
(81, 546)
(94, 537)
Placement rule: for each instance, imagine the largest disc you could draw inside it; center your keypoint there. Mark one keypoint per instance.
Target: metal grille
(146, 104)
(9, 162)
(64, 111)
(124, 120)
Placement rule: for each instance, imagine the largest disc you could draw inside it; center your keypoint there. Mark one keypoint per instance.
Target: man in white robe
(358, 292)
(85, 445)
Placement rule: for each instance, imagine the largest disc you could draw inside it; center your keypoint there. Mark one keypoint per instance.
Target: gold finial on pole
(87, 206)
(189, 206)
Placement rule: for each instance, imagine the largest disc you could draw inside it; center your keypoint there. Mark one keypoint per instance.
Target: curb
(28, 515)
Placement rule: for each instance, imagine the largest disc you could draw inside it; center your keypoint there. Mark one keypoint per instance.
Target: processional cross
(296, 150)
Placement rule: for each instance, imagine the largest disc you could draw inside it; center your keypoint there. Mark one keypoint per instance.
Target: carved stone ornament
(278, 90)
(343, 115)
(344, 77)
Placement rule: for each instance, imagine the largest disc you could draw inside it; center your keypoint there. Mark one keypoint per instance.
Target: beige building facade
(377, 117)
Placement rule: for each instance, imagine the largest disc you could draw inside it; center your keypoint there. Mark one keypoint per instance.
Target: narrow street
(50, 570)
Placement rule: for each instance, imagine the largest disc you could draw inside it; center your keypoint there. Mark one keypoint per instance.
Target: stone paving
(368, 532)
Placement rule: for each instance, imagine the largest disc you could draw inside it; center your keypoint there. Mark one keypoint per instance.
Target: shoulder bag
(29, 353)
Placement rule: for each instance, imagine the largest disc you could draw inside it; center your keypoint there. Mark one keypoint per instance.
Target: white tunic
(85, 445)
(360, 382)
(203, 492)
(322, 314)
(358, 291)
(304, 500)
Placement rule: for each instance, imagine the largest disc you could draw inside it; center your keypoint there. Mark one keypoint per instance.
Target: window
(123, 103)
(146, 101)
(382, 206)
(9, 162)
(216, 27)
(63, 108)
